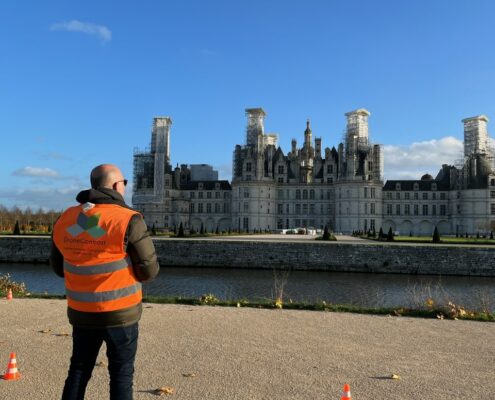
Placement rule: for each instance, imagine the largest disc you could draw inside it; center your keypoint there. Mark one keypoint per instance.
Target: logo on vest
(87, 224)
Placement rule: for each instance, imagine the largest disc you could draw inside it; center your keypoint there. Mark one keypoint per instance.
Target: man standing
(102, 249)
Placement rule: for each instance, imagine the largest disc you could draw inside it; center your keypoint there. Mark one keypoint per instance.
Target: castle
(341, 188)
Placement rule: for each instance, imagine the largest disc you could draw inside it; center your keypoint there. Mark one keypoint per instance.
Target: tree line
(27, 220)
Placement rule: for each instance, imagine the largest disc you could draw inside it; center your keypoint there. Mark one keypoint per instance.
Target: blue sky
(80, 81)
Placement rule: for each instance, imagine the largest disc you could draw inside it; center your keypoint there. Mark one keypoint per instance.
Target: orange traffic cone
(12, 373)
(346, 395)
(9, 295)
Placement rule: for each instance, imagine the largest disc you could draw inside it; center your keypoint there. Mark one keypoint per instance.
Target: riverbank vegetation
(425, 305)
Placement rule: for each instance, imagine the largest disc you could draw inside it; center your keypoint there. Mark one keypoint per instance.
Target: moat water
(360, 289)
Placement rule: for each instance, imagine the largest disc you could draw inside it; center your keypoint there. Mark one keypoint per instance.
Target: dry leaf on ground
(101, 364)
(165, 390)
(394, 376)
(189, 375)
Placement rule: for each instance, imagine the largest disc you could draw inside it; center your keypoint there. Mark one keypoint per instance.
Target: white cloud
(414, 160)
(36, 172)
(85, 27)
(46, 198)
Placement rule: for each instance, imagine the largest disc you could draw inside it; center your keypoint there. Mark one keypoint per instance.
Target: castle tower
(307, 135)
(255, 126)
(160, 149)
(357, 129)
(475, 135)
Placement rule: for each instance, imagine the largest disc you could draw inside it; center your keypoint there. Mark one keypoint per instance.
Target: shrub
(436, 236)
(390, 235)
(17, 230)
(181, 231)
(326, 233)
(7, 283)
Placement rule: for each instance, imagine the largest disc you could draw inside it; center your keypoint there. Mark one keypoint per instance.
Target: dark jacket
(138, 245)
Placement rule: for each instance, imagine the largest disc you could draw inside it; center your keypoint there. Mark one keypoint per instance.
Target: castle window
(389, 209)
(248, 167)
(416, 186)
(246, 207)
(425, 195)
(416, 196)
(397, 209)
(365, 192)
(191, 195)
(208, 208)
(434, 209)
(372, 208)
(217, 207)
(329, 169)
(416, 209)
(443, 209)
(442, 196)
(492, 182)
(246, 192)
(425, 209)
(298, 194)
(433, 196)
(280, 169)
(287, 209)
(311, 194)
(217, 195)
(407, 195)
(208, 195)
(245, 223)
(389, 195)
(305, 194)
(191, 208)
(280, 180)
(397, 186)
(200, 195)
(330, 180)
(433, 186)
(492, 194)
(280, 208)
(397, 196)
(370, 166)
(200, 208)
(492, 208)
(407, 209)
(372, 193)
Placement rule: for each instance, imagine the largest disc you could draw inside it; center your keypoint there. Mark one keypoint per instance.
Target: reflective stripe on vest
(97, 269)
(92, 297)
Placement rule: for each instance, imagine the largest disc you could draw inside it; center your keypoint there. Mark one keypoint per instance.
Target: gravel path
(242, 353)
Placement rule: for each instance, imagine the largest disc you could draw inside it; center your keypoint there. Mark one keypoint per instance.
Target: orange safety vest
(98, 271)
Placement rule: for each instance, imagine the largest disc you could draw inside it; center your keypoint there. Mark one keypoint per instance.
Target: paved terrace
(242, 353)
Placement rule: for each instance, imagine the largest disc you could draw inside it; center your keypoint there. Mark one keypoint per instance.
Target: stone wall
(322, 256)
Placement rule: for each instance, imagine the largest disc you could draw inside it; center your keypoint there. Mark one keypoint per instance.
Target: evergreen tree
(491, 235)
(153, 230)
(181, 230)
(390, 235)
(373, 233)
(217, 231)
(17, 230)
(326, 233)
(380, 234)
(202, 229)
(477, 235)
(175, 229)
(436, 236)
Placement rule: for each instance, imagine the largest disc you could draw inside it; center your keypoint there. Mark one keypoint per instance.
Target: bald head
(105, 175)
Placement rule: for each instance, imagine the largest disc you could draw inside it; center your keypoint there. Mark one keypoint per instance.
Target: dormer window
(433, 186)
(200, 185)
(397, 186)
(217, 186)
(416, 186)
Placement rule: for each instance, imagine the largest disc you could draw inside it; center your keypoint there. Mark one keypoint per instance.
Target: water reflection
(367, 290)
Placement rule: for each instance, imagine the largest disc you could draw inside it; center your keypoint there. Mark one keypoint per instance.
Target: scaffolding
(143, 174)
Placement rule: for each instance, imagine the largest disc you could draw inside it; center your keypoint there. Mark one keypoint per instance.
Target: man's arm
(57, 260)
(141, 250)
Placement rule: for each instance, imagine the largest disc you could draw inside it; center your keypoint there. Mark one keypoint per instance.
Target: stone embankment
(308, 255)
